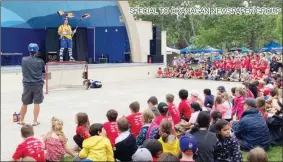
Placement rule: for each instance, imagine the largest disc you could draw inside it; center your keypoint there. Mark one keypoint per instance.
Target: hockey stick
(83, 17)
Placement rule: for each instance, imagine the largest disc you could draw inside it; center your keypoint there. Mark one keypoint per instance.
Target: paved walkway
(65, 104)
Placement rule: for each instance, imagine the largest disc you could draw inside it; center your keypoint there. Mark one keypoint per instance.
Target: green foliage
(215, 30)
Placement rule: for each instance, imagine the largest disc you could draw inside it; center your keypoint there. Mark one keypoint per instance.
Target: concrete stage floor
(95, 102)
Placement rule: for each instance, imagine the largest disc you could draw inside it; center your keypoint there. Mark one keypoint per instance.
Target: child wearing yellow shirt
(97, 147)
(169, 142)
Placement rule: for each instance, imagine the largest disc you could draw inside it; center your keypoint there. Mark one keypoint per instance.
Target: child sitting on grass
(227, 147)
(55, 142)
(82, 130)
(169, 142)
(147, 118)
(31, 148)
(97, 147)
(135, 119)
(189, 146)
(155, 148)
(111, 126)
(257, 155)
(125, 143)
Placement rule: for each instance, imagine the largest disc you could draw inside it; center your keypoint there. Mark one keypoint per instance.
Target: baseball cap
(221, 88)
(195, 93)
(33, 47)
(65, 18)
(162, 107)
(188, 142)
(142, 154)
(250, 102)
(266, 92)
(153, 145)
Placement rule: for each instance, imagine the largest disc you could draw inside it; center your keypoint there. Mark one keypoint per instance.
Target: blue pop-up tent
(208, 49)
(187, 49)
(271, 46)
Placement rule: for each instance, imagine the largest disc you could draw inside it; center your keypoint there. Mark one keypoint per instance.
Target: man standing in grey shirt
(33, 69)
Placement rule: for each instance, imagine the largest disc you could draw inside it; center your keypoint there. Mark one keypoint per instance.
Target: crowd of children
(239, 68)
(213, 129)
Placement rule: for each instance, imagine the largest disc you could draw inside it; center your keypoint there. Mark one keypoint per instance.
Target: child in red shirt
(199, 74)
(82, 130)
(30, 148)
(263, 65)
(216, 64)
(229, 65)
(258, 75)
(111, 126)
(192, 74)
(172, 109)
(159, 73)
(237, 65)
(253, 74)
(184, 106)
(135, 119)
(168, 73)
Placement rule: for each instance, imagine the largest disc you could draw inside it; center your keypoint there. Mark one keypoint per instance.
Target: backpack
(95, 84)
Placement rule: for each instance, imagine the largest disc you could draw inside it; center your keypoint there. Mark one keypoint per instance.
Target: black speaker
(156, 32)
(152, 47)
(155, 58)
(158, 46)
(155, 47)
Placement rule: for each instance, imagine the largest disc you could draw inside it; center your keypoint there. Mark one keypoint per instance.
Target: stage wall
(145, 35)
(113, 43)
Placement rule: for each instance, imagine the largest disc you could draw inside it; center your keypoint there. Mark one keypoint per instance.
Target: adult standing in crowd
(274, 65)
(33, 69)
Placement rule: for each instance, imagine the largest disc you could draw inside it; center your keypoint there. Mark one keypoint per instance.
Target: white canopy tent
(170, 51)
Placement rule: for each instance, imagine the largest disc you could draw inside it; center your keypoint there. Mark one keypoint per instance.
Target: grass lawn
(274, 155)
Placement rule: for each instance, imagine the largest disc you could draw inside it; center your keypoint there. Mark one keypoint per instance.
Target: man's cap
(188, 142)
(266, 92)
(142, 154)
(194, 93)
(162, 107)
(33, 47)
(153, 145)
(250, 102)
(221, 88)
(65, 18)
